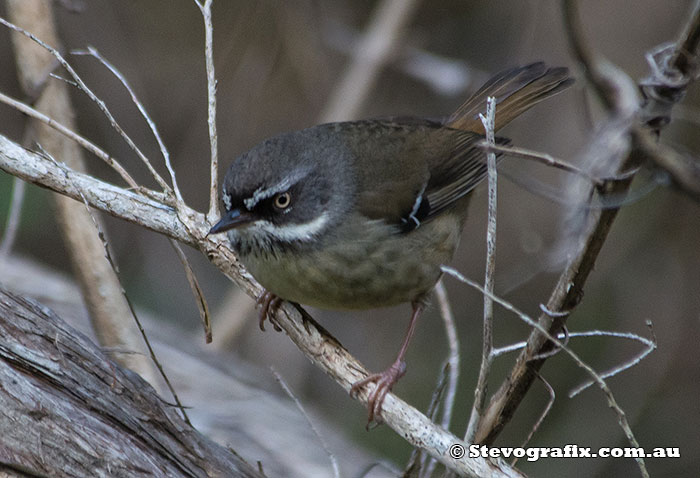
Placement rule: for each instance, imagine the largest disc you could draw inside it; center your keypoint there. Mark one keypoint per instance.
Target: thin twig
(453, 358)
(297, 402)
(650, 347)
(612, 403)
(489, 122)
(205, 9)
(100, 104)
(91, 51)
(649, 343)
(202, 305)
(68, 133)
(543, 158)
(417, 462)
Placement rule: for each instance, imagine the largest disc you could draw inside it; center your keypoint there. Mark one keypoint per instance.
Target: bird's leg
(268, 303)
(384, 381)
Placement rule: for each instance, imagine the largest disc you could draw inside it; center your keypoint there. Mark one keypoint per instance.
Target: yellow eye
(282, 201)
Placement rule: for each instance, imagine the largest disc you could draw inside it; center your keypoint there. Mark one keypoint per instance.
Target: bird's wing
(409, 169)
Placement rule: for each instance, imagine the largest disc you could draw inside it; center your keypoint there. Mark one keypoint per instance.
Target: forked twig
(612, 403)
(100, 103)
(144, 114)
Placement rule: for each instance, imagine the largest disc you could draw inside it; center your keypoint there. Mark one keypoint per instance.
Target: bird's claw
(384, 382)
(268, 303)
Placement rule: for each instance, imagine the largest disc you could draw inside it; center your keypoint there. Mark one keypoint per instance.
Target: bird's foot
(268, 303)
(384, 382)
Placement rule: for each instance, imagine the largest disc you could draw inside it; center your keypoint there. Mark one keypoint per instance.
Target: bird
(362, 214)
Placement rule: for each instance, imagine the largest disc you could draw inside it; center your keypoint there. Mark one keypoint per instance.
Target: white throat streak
(292, 232)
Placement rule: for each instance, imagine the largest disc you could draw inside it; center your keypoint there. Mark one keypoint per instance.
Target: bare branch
(650, 347)
(205, 9)
(543, 415)
(202, 305)
(489, 122)
(543, 158)
(453, 357)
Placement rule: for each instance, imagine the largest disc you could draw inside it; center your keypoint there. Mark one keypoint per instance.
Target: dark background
(277, 63)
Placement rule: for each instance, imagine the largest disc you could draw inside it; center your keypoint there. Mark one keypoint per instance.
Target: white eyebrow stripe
(260, 193)
(293, 232)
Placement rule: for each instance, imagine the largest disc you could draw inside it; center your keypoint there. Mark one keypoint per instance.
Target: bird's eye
(282, 200)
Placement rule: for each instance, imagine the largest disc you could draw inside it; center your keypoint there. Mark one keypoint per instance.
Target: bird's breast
(361, 267)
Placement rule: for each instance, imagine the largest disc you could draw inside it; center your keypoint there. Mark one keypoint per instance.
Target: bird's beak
(233, 218)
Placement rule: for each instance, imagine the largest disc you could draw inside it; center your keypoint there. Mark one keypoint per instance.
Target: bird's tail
(516, 90)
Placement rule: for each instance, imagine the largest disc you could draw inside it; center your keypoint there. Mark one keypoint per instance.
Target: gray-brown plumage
(362, 214)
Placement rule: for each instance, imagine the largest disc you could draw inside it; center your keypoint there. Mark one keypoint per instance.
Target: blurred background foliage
(277, 63)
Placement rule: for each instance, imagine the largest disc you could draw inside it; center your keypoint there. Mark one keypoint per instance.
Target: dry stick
(649, 343)
(383, 35)
(297, 402)
(450, 376)
(110, 259)
(100, 104)
(68, 133)
(205, 9)
(543, 158)
(651, 346)
(489, 276)
(622, 418)
(315, 343)
(201, 300)
(453, 358)
(144, 114)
